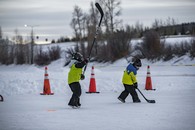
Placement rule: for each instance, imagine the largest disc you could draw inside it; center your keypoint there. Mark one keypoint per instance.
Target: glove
(135, 85)
(82, 76)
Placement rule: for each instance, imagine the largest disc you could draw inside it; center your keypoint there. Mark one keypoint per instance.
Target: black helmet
(77, 56)
(137, 62)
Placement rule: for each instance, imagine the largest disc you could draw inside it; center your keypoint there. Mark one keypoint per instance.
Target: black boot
(123, 101)
(136, 100)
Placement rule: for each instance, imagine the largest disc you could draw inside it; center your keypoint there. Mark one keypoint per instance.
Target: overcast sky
(54, 17)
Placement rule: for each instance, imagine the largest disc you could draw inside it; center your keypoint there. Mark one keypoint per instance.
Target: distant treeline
(178, 29)
(161, 29)
(107, 49)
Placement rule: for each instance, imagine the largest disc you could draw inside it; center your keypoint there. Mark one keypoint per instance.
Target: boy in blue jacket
(130, 81)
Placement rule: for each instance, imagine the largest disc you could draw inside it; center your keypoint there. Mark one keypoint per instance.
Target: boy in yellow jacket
(130, 81)
(74, 76)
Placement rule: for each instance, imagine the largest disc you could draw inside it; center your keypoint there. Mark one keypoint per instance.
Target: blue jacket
(129, 76)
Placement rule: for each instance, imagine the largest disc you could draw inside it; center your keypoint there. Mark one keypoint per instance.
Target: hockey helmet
(77, 56)
(137, 63)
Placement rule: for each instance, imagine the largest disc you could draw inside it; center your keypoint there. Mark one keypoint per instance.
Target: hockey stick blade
(149, 101)
(101, 12)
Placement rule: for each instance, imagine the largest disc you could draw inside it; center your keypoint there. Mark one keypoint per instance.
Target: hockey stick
(97, 31)
(149, 101)
(1, 100)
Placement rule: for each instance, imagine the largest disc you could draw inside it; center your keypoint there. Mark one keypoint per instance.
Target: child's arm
(81, 64)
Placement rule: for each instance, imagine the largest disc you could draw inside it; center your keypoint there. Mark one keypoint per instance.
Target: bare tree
(19, 48)
(120, 44)
(42, 57)
(139, 29)
(78, 23)
(151, 48)
(54, 52)
(166, 27)
(3, 49)
(157, 23)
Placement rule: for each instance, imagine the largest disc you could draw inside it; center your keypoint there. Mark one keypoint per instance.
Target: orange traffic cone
(46, 87)
(92, 85)
(148, 85)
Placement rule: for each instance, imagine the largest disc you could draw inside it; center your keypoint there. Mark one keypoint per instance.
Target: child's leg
(76, 89)
(134, 94)
(124, 94)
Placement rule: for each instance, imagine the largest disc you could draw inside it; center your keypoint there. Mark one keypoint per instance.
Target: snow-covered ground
(172, 39)
(25, 109)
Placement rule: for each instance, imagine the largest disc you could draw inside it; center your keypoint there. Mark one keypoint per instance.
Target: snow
(25, 109)
(170, 40)
(178, 39)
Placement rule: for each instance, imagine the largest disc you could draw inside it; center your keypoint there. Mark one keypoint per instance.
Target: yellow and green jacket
(75, 72)
(129, 76)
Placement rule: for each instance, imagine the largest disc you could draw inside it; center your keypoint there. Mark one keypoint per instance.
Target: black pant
(129, 89)
(76, 89)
